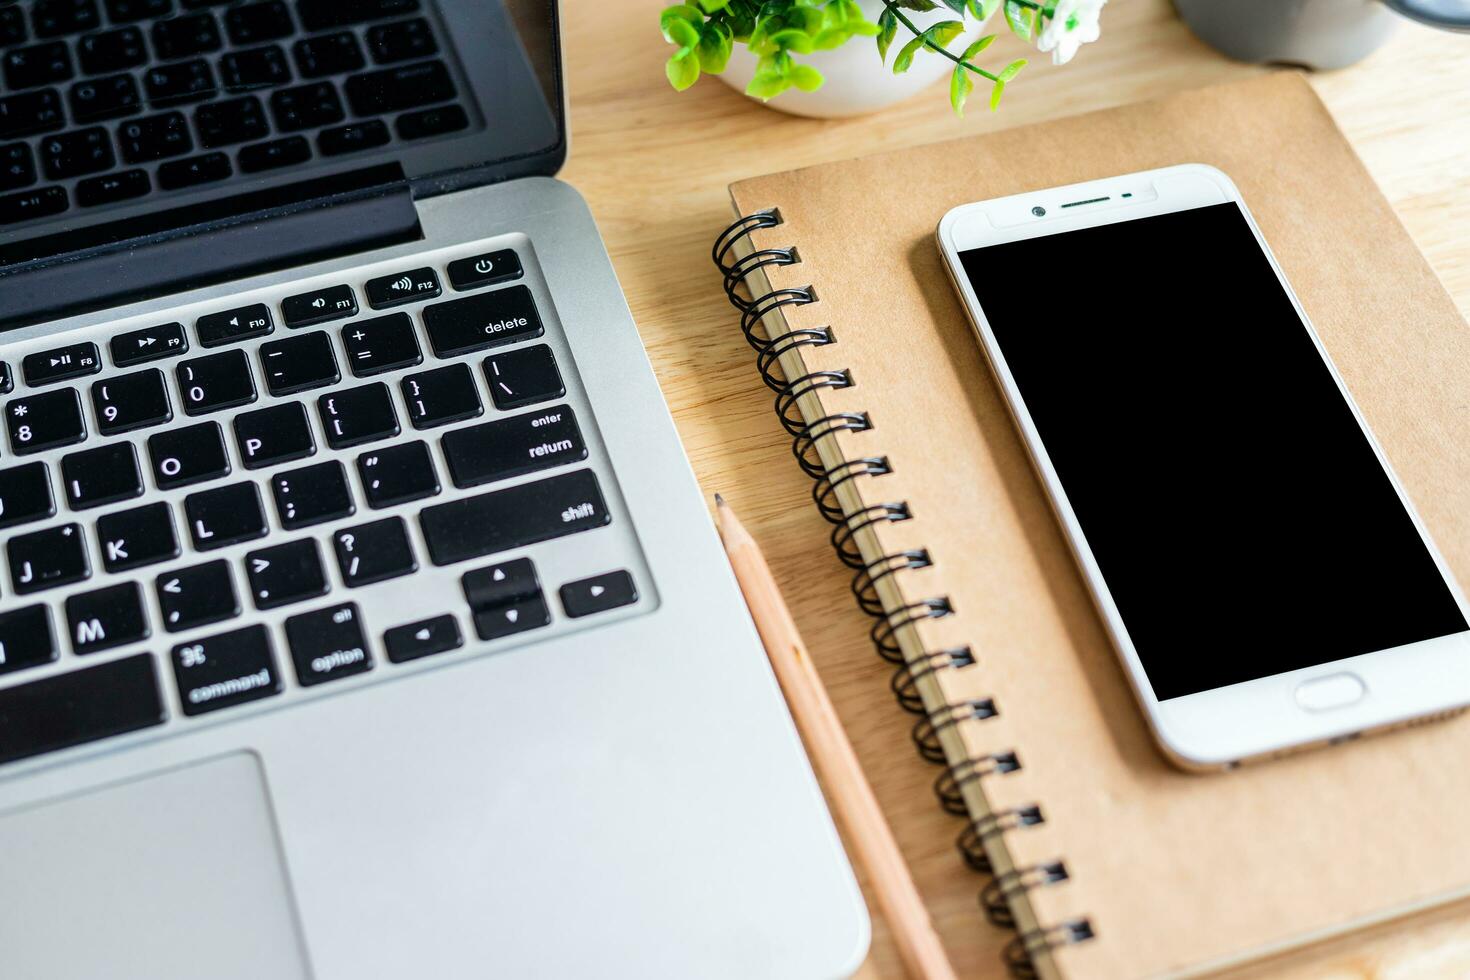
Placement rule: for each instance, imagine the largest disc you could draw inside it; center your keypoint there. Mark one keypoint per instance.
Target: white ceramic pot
(855, 81)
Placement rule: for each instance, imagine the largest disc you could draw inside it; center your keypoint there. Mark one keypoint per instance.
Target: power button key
(485, 270)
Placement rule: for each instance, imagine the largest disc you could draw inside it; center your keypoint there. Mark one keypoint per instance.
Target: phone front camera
(1039, 211)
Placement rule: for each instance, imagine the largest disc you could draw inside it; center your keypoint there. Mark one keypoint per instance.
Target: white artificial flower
(1073, 25)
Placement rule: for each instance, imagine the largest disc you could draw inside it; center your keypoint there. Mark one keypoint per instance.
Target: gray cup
(1311, 33)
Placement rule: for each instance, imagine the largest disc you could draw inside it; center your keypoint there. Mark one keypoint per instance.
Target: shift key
(473, 323)
(514, 517)
(513, 447)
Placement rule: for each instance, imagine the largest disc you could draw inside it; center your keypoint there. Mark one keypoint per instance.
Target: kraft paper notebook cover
(1109, 861)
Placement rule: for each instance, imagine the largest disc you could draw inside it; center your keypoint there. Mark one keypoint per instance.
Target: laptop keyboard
(104, 101)
(250, 495)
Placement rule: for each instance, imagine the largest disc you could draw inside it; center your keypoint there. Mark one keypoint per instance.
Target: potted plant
(828, 57)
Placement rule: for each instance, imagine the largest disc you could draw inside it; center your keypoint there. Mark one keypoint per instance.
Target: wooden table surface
(654, 165)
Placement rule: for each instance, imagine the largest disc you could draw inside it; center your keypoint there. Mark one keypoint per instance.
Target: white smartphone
(1263, 575)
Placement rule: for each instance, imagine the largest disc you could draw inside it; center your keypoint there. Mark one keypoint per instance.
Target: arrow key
(500, 584)
(422, 639)
(514, 617)
(598, 594)
(197, 596)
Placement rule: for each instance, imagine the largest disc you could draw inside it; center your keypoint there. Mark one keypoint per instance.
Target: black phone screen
(1241, 520)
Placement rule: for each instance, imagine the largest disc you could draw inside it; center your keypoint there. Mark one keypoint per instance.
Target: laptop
(359, 613)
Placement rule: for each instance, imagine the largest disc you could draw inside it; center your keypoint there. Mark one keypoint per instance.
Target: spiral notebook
(1107, 860)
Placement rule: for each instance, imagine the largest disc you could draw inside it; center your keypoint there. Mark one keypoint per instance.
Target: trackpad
(171, 876)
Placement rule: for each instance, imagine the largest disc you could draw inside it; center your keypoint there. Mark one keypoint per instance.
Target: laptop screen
(124, 119)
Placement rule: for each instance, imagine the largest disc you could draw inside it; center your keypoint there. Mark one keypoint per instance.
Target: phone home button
(1332, 691)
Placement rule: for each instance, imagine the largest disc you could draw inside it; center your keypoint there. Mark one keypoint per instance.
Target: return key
(510, 447)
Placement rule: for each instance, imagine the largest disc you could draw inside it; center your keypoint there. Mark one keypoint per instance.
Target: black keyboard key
(319, 306)
(378, 93)
(111, 51)
(226, 670)
(354, 416)
(216, 381)
(328, 54)
(148, 344)
(46, 559)
(523, 376)
(274, 435)
(7, 383)
(423, 639)
(398, 474)
(488, 269)
(233, 121)
(40, 64)
(78, 707)
(30, 112)
(85, 151)
(401, 41)
(45, 421)
(265, 67)
(328, 643)
(318, 15)
(61, 364)
(184, 81)
(125, 11)
(501, 584)
(197, 596)
(515, 617)
(512, 447)
(384, 343)
(111, 188)
(131, 401)
(441, 396)
(431, 122)
(312, 495)
(233, 326)
(299, 363)
(29, 205)
(189, 455)
(306, 107)
(374, 552)
(12, 26)
(137, 537)
(26, 640)
(402, 287)
(225, 516)
(104, 98)
(473, 527)
(105, 475)
(184, 37)
(53, 18)
(106, 618)
(277, 153)
(17, 166)
(154, 138)
(286, 573)
(486, 320)
(598, 594)
(204, 169)
(364, 135)
(258, 22)
(25, 494)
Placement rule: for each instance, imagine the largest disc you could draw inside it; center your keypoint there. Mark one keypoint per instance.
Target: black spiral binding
(806, 440)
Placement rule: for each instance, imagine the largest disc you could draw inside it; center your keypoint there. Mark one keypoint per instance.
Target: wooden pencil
(852, 798)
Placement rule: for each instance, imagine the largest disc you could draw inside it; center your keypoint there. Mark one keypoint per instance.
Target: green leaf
(683, 70)
(710, 6)
(977, 47)
(1020, 18)
(982, 9)
(682, 33)
(958, 6)
(906, 55)
(887, 28)
(767, 85)
(715, 45)
(680, 14)
(921, 6)
(793, 40)
(806, 78)
(1009, 71)
(960, 87)
(945, 31)
(996, 91)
